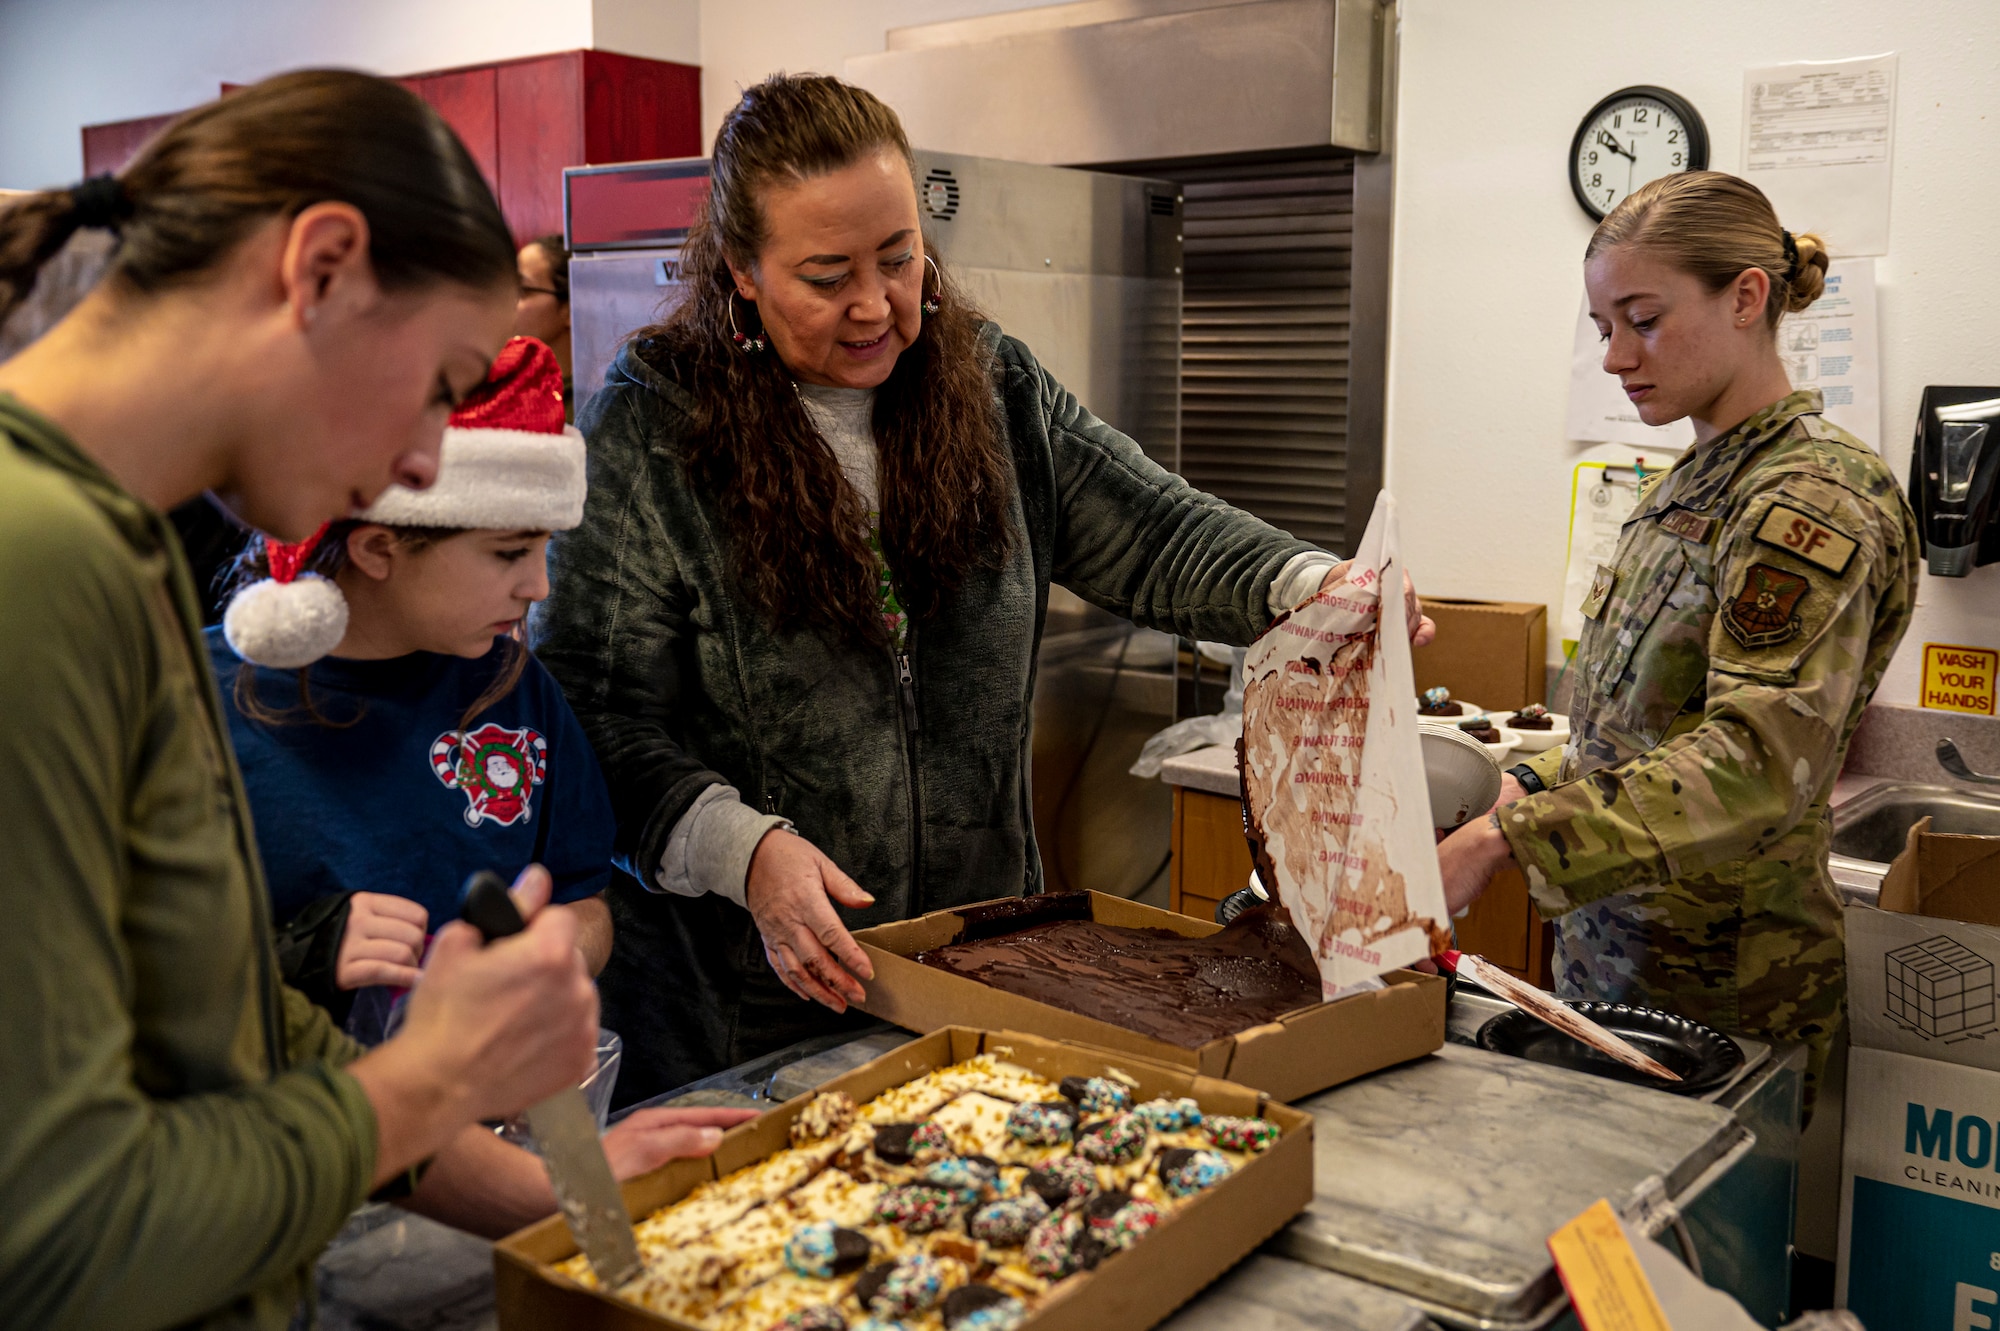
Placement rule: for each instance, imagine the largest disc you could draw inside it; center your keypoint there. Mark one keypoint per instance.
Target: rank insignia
(1765, 612)
(1600, 591)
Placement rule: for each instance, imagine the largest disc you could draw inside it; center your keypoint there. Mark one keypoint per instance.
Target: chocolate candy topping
(1049, 1123)
(892, 1142)
(898, 1289)
(1114, 1141)
(966, 1300)
(1006, 1223)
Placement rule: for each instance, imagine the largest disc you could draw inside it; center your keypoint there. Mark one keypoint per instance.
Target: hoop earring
(935, 301)
(749, 346)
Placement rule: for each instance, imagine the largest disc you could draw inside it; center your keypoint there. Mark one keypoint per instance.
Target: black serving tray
(1704, 1057)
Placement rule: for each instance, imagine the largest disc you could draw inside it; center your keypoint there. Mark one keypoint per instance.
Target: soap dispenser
(1955, 478)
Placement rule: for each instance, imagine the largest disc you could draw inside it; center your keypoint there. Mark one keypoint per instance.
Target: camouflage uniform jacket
(1754, 600)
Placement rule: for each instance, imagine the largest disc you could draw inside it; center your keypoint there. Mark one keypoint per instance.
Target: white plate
(1534, 741)
(1471, 710)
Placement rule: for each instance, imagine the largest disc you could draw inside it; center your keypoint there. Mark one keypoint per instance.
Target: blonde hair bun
(1808, 284)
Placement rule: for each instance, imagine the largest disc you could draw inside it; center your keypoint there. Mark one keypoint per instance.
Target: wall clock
(1633, 136)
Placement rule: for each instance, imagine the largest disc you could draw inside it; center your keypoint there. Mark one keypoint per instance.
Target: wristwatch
(1526, 776)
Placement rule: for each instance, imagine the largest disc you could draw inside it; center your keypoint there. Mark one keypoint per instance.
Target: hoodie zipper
(906, 704)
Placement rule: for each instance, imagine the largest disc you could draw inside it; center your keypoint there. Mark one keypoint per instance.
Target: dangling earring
(935, 301)
(749, 346)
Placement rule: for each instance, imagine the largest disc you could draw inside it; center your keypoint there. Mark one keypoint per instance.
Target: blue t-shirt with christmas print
(392, 797)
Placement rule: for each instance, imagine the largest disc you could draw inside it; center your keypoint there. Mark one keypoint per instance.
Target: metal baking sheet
(1441, 1180)
(1267, 1293)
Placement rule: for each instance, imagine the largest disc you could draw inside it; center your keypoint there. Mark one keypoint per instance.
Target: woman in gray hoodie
(800, 618)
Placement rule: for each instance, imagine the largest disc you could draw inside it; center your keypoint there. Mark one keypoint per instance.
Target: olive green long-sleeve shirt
(179, 1141)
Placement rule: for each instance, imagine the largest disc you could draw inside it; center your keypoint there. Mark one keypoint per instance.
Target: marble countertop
(1212, 769)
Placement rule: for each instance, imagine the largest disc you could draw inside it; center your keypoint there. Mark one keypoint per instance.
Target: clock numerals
(1655, 133)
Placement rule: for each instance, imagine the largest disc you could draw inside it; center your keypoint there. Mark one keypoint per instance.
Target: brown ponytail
(1714, 226)
(275, 149)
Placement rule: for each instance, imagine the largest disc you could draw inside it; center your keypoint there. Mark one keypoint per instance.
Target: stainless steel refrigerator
(1084, 267)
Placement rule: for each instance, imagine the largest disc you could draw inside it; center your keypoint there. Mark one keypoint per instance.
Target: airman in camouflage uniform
(1754, 601)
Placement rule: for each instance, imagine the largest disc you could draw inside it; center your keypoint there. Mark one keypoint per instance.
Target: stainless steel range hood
(1140, 80)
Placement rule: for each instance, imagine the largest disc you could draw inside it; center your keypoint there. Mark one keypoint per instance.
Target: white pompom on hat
(508, 462)
(287, 621)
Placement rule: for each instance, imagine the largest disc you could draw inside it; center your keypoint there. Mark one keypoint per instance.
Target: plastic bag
(1333, 774)
(1197, 732)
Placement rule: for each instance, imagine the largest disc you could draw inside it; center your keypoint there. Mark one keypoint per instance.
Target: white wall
(1489, 242)
(69, 63)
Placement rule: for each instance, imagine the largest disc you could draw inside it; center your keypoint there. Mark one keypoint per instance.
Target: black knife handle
(486, 906)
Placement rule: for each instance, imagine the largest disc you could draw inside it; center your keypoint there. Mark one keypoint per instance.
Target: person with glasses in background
(543, 310)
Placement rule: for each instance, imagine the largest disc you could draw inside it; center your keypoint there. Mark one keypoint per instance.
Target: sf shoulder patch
(1807, 538)
(1766, 612)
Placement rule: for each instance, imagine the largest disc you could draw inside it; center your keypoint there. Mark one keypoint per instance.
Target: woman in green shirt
(309, 273)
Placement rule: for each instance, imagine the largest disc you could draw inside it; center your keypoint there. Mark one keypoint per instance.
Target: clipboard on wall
(1602, 495)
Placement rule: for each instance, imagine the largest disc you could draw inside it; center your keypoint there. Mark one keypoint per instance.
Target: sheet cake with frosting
(959, 1201)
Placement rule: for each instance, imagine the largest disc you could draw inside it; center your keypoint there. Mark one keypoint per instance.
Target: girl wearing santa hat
(394, 734)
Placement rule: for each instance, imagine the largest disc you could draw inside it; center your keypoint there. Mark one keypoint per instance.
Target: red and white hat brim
(507, 480)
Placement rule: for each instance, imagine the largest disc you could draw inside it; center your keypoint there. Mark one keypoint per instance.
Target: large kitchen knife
(565, 1129)
(1556, 1013)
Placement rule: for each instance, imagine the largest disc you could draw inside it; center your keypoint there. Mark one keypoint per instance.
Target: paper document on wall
(1818, 138)
(1601, 496)
(1333, 776)
(1832, 345)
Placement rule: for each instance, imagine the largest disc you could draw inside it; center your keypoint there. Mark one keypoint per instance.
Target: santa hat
(508, 462)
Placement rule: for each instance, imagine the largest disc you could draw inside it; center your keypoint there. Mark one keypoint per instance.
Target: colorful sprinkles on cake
(1240, 1134)
(1170, 1115)
(958, 1201)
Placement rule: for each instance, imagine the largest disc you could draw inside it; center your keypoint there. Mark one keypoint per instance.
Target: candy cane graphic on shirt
(496, 768)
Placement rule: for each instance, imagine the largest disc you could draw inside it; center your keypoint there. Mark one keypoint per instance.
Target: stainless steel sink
(1874, 824)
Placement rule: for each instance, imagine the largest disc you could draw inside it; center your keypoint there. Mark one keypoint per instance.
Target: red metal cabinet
(523, 121)
(573, 108)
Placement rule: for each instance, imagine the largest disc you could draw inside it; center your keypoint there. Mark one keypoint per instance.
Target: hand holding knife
(565, 1129)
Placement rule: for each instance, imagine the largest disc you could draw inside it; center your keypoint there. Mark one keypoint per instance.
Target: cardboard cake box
(1135, 1288)
(1305, 1050)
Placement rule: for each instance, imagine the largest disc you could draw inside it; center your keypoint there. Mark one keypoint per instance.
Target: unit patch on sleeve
(1766, 612)
(1807, 538)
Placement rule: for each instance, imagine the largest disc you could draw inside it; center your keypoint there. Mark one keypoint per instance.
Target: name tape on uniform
(1810, 539)
(1607, 1286)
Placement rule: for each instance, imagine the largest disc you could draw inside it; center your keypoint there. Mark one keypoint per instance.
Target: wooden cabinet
(108, 147)
(1212, 859)
(523, 121)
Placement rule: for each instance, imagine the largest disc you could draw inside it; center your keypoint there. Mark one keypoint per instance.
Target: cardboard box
(1920, 1163)
(1303, 1051)
(1493, 652)
(1136, 1288)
